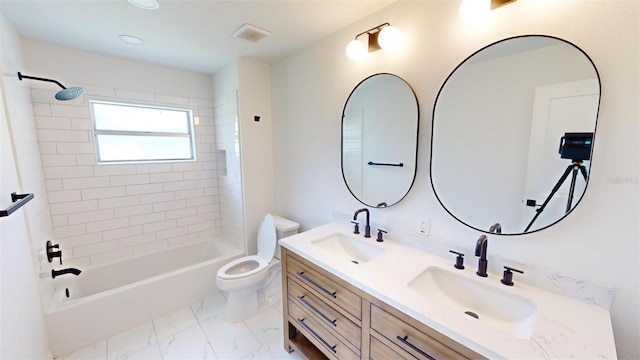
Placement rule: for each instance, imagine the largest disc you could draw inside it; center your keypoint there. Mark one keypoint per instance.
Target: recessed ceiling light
(130, 39)
(146, 4)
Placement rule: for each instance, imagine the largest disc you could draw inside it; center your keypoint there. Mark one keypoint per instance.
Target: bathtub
(108, 299)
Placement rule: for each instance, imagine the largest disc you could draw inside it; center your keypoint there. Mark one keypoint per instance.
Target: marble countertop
(564, 328)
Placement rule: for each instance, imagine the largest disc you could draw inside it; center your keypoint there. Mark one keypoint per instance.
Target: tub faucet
(481, 251)
(367, 228)
(73, 271)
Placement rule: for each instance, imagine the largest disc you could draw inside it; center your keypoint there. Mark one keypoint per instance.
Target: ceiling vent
(251, 33)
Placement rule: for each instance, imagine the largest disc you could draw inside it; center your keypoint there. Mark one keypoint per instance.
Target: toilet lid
(267, 240)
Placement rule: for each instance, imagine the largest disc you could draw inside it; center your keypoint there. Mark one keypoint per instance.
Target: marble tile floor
(195, 332)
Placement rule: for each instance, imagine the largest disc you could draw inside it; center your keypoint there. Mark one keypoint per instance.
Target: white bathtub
(108, 299)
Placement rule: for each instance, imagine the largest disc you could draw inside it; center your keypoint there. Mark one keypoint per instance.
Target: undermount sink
(498, 308)
(349, 248)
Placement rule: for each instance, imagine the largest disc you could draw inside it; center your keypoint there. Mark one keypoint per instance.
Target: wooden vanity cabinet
(325, 317)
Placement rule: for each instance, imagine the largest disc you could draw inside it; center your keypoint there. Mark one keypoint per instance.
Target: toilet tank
(284, 228)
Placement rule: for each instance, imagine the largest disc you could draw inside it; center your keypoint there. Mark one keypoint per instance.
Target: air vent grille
(251, 33)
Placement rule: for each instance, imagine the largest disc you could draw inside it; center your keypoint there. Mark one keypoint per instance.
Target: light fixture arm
(20, 77)
(373, 28)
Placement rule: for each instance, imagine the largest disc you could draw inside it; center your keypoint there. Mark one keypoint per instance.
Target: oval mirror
(513, 127)
(380, 140)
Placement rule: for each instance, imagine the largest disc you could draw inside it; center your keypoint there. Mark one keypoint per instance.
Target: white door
(557, 109)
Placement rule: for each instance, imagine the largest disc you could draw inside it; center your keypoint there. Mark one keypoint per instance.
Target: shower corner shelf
(18, 201)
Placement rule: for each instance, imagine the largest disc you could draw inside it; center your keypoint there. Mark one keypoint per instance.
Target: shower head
(64, 94)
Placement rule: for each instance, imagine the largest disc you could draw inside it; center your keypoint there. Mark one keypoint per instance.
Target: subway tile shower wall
(102, 213)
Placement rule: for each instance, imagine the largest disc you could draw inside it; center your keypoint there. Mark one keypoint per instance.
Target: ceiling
(188, 34)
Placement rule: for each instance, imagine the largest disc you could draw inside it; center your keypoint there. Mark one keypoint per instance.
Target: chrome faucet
(73, 271)
(496, 228)
(481, 251)
(367, 227)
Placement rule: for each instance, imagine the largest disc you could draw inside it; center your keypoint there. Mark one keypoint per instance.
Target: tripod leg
(583, 170)
(571, 189)
(553, 192)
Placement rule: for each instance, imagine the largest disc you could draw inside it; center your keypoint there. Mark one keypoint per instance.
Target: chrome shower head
(64, 94)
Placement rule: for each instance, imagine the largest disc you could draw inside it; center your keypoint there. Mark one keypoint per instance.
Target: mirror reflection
(380, 140)
(513, 127)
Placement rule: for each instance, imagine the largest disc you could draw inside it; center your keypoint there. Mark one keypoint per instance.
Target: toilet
(244, 277)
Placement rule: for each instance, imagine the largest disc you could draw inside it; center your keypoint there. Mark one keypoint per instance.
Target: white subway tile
(199, 201)
(197, 175)
(80, 240)
(135, 95)
(179, 213)
(153, 168)
(107, 225)
(92, 249)
(53, 185)
(75, 148)
(119, 202)
(190, 220)
(213, 216)
(146, 218)
(58, 160)
(186, 166)
(154, 198)
(133, 210)
(51, 122)
(181, 240)
(203, 226)
(166, 177)
(69, 111)
(178, 185)
(144, 189)
(86, 159)
(205, 111)
(159, 226)
(48, 148)
(114, 169)
(201, 102)
(172, 233)
(187, 194)
(129, 179)
(41, 109)
(203, 209)
(136, 240)
(176, 100)
(99, 91)
(67, 231)
(68, 172)
(85, 183)
(63, 196)
(59, 220)
(63, 135)
(169, 205)
(73, 207)
(103, 193)
(81, 124)
(122, 232)
(90, 216)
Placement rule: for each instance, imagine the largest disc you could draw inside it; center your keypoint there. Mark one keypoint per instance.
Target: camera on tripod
(576, 146)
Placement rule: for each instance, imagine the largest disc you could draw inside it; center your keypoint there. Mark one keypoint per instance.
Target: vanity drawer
(380, 351)
(329, 317)
(310, 276)
(325, 340)
(408, 338)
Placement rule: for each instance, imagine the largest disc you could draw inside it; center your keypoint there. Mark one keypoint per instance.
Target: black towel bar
(385, 164)
(18, 201)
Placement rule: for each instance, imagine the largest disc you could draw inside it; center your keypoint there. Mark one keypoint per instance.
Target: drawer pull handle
(302, 275)
(316, 310)
(318, 337)
(406, 342)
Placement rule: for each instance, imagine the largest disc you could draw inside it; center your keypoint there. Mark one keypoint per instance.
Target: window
(140, 133)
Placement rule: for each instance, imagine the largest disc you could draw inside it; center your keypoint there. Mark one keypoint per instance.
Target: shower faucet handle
(459, 260)
(53, 254)
(507, 275)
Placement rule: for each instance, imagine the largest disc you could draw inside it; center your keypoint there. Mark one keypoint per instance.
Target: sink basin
(349, 248)
(495, 307)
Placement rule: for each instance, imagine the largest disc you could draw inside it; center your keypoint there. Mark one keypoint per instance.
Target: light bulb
(474, 11)
(356, 50)
(389, 38)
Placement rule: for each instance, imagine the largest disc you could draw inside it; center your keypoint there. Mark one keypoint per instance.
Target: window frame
(190, 134)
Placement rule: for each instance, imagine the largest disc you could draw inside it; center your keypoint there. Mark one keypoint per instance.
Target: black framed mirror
(380, 140)
(513, 133)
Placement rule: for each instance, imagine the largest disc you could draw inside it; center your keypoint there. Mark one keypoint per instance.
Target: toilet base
(241, 305)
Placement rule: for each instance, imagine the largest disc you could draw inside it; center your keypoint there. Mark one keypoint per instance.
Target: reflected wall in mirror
(498, 122)
(380, 140)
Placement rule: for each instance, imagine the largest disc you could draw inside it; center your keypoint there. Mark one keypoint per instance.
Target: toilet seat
(253, 264)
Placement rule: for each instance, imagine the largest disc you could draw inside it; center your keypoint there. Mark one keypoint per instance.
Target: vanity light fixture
(477, 10)
(383, 36)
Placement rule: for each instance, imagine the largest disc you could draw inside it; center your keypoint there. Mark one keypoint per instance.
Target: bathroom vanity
(347, 297)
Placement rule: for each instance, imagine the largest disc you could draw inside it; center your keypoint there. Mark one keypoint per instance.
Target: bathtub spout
(73, 271)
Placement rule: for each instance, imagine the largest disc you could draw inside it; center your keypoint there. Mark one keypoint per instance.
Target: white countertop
(564, 328)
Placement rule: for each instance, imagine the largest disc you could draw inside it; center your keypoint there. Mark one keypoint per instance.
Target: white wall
(22, 333)
(598, 242)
